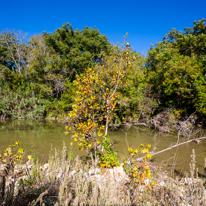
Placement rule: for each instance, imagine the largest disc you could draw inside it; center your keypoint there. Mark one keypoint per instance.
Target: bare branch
(14, 41)
(173, 146)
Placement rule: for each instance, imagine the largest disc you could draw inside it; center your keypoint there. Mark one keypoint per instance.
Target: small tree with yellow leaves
(95, 103)
(10, 157)
(139, 172)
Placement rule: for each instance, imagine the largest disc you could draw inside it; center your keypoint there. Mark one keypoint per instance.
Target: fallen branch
(39, 199)
(173, 146)
(141, 124)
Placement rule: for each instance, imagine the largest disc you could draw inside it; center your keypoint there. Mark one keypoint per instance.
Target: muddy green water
(38, 137)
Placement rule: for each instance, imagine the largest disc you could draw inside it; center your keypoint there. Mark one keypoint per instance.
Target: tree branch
(173, 146)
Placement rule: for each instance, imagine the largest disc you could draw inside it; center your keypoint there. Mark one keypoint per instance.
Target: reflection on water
(37, 137)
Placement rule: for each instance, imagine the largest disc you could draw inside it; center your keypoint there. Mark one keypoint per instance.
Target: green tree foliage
(76, 49)
(134, 88)
(46, 65)
(176, 68)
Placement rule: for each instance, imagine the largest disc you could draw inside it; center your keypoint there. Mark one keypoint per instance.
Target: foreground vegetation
(66, 181)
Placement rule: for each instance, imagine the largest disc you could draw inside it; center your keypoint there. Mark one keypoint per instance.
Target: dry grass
(66, 182)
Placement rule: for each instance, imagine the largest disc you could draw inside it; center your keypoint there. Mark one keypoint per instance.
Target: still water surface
(38, 137)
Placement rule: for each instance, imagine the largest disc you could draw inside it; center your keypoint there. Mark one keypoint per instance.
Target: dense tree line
(37, 76)
(37, 72)
(176, 69)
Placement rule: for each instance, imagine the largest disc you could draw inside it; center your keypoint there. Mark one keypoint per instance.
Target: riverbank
(38, 137)
(63, 181)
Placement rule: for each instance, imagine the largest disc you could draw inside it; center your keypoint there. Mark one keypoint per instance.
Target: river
(39, 138)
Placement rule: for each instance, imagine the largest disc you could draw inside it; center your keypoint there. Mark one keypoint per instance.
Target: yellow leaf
(21, 150)
(71, 143)
(5, 154)
(29, 157)
(130, 149)
(18, 157)
(75, 139)
(149, 145)
(17, 143)
(145, 151)
(146, 167)
(149, 156)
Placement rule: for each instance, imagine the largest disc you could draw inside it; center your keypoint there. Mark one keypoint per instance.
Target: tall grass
(64, 181)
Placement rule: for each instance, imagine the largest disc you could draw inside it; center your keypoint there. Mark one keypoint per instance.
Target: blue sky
(145, 21)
